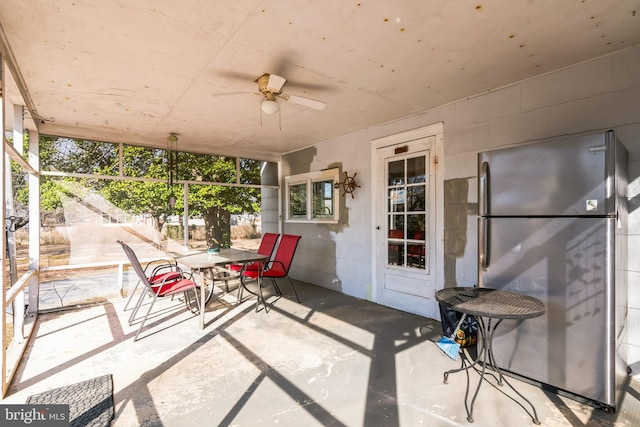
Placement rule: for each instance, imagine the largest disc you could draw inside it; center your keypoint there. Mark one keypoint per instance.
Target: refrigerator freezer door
(562, 262)
(564, 177)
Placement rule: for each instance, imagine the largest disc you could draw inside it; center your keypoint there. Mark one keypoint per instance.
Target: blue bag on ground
(466, 335)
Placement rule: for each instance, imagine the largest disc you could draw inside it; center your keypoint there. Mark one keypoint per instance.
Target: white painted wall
(600, 94)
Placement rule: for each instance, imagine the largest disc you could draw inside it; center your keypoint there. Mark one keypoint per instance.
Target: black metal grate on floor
(90, 402)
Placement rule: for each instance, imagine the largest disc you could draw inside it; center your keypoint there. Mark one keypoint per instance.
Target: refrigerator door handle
(484, 244)
(483, 189)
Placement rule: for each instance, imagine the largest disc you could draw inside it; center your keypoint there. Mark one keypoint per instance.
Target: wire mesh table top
(488, 302)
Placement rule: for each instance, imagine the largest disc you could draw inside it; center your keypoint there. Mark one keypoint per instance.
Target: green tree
(214, 203)
(72, 156)
(143, 197)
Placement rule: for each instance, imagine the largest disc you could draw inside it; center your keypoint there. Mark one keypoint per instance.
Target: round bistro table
(490, 307)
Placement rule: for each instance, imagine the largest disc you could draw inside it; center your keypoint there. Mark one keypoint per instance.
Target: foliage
(19, 181)
(214, 203)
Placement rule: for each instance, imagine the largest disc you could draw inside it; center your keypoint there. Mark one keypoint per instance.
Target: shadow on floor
(332, 360)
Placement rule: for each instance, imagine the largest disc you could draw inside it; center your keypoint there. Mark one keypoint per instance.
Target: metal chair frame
(169, 286)
(157, 275)
(276, 269)
(267, 246)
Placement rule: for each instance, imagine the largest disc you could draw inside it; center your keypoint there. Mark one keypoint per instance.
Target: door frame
(402, 138)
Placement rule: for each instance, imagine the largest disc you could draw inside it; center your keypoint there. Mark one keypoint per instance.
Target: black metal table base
(483, 363)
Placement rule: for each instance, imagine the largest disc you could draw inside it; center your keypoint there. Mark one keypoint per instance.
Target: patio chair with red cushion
(267, 245)
(168, 286)
(157, 271)
(277, 268)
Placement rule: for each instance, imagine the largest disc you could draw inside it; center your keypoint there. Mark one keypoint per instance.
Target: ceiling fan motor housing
(270, 83)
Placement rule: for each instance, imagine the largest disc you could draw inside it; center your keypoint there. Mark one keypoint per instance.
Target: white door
(406, 226)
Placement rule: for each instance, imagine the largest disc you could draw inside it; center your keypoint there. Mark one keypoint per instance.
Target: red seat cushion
(163, 277)
(253, 274)
(238, 267)
(276, 270)
(234, 267)
(176, 286)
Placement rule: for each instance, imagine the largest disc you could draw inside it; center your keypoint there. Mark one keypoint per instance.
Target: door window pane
(416, 226)
(416, 198)
(396, 173)
(396, 226)
(416, 170)
(396, 240)
(395, 253)
(416, 255)
(396, 200)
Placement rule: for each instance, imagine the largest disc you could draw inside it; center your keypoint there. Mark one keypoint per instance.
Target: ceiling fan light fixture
(269, 107)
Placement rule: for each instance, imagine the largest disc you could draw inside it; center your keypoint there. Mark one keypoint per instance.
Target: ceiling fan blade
(311, 103)
(215, 94)
(275, 83)
(235, 75)
(283, 62)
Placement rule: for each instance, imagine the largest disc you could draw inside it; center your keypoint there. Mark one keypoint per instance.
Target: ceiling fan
(270, 85)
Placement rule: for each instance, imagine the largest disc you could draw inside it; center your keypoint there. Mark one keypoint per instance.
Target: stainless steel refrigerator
(553, 224)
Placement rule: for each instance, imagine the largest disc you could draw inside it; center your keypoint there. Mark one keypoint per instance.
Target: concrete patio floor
(332, 360)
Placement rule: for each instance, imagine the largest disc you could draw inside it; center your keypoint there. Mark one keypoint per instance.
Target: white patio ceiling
(136, 70)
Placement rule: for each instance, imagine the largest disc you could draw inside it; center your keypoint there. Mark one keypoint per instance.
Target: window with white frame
(312, 197)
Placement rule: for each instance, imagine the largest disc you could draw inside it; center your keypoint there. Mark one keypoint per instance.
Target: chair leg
(276, 287)
(241, 289)
(226, 282)
(145, 317)
(294, 289)
(138, 305)
(212, 275)
(155, 297)
(143, 294)
(131, 296)
(261, 298)
(188, 301)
